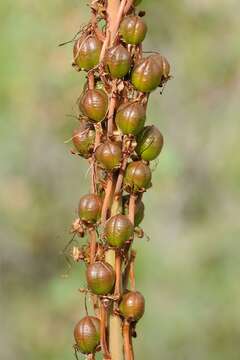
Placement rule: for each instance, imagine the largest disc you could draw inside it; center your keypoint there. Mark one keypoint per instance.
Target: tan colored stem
(111, 110)
(118, 189)
(118, 270)
(132, 207)
(127, 341)
(107, 199)
(103, 340)
(118, 19)
(93, 244)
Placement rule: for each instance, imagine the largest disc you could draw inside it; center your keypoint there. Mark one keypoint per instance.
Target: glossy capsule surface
(149, 143)
(94, 104)
(132, 306)
(109, 155)
(86, 52)
(100, 278)
(147, 74)
(130, 118)
(90, 207)
(118, 61)
(87, 334)
(133, 30)
(118, 230)
(138, 177)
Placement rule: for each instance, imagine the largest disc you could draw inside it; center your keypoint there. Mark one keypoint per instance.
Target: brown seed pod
(100, 278)
(94, 104)
(86, 52)
(131, 117)
(147, 74)
(109, 155)
(137, 177)
(83, 139)
(90, 207)
(118, 230)
(118, 61)
(133, 30)
(132, 306)
(87, 334)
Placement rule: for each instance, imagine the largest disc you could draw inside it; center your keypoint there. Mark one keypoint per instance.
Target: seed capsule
(83, 139)
(94, 104)
(100, 278)
(86, 52)
(109, 155)
(118, 230)
(138, 177)
(87, 334)
(147, 74)
(139, 210)
(149, 143)
(118, 61)
(130, 118)
(90, 207)
(132, 306)
(133, 30)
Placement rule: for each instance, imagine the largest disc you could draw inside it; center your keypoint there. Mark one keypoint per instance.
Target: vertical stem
(118, 270)
(115, 323)
(93, 244)
(107, 199)
(127, 341)
(103, 313)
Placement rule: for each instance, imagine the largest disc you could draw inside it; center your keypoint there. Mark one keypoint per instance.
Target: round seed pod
(147, 74)
(100, 278)
(137, 177)
(87, 334)
(90, 207)
(139, 210)
(118, 61)
(133, 30)
(109, 155)
(118, 230)
(83, 139)
(149, 143)
(94, 104)
(86, 52)
(132, 306)
(130, 118)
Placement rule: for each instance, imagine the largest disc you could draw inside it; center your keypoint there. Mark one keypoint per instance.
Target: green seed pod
(94, 104)
(132, 306)
(118, 230)
(139, 210)
(147, 74)
(86, 52)
(133, 29)
(137, 177)
(130, 118)
(100, 278)
(87, 334)
(109, 155)
(90, 207)
(118, 61)
(83, 139)
(149, 143)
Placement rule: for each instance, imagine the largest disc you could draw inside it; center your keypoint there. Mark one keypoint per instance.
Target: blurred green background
(190, 270)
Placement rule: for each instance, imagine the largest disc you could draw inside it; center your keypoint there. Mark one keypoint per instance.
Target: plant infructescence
(119, 143)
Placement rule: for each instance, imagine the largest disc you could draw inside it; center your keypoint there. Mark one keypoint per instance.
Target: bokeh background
(189, 271)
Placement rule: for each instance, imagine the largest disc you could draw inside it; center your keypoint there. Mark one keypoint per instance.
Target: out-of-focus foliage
(189, 271)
